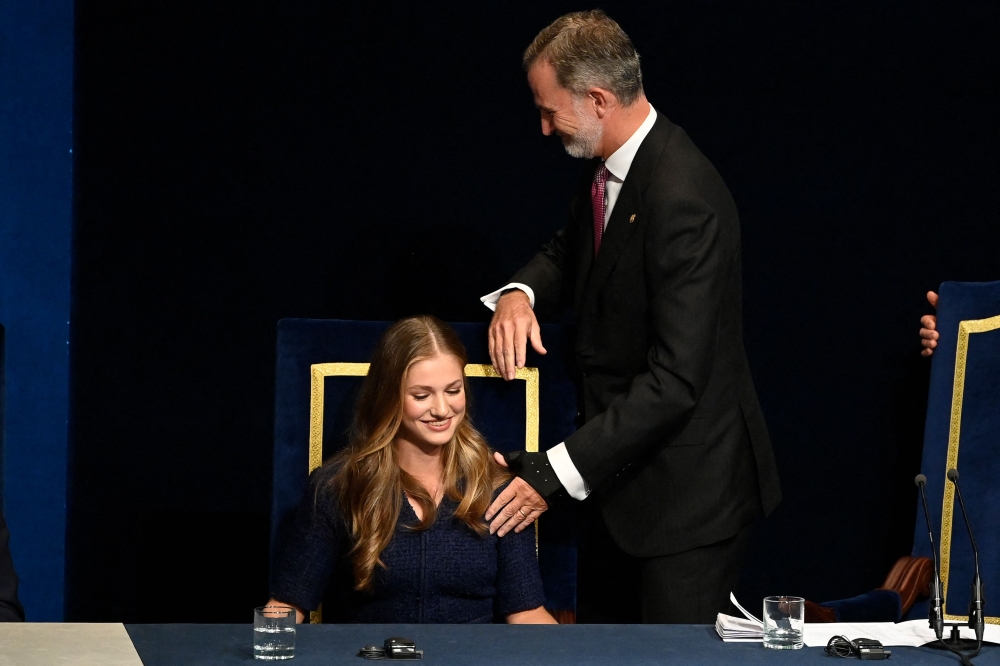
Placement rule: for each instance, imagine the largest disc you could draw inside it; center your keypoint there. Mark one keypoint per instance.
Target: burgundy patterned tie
(597, 199)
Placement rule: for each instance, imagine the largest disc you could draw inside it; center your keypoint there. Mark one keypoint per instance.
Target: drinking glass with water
(273, 633)
(784, 622)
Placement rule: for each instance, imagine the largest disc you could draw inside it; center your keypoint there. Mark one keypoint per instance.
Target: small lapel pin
(631, 219)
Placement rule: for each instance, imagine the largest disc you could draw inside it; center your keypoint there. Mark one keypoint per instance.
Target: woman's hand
(534, 616)
(300, 617)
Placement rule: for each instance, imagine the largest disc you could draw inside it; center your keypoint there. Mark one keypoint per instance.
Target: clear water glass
(784, 622)
(273, 633)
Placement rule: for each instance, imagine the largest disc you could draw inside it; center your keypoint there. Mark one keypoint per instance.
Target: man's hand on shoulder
(516, 507)
(513, 324)
(928, 330)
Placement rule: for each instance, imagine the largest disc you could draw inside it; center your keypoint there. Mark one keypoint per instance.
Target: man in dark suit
(673, 463)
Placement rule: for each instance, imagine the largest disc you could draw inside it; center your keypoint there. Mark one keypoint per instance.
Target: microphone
(976, 603)
(936, 613)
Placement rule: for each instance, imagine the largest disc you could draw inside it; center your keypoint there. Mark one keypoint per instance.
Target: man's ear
(603, 100)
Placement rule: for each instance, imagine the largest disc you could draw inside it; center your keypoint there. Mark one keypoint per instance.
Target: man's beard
(588, 135)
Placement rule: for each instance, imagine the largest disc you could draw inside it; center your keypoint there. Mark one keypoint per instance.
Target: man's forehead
(546, 90)
(542, 72)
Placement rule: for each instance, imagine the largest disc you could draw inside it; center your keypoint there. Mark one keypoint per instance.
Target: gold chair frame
(965, 329)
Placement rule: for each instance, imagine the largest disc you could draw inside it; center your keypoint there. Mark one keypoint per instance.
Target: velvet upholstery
(977, 452)
(496, 407)
(874, 606)
(974, 454)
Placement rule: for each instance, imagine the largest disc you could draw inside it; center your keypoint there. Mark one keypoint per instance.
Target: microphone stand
(976, 602)
(936, 616)
(954, 642)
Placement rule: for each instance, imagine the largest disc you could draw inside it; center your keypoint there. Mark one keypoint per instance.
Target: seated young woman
(393, 526)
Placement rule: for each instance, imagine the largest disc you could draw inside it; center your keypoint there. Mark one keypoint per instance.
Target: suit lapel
(622, 223)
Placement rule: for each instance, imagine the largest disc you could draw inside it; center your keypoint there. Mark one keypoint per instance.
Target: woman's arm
(534, 616)
(310, 550)
(300, 617)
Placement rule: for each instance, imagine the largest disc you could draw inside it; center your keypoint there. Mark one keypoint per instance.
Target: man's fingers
(536, 338)
(520, 344)
(507, 335)
(499, 342)
(513, 517)
(496, 347)
(508, 359)
(929, 322)
(531, 517)
(932, 298)
(523, 508)
(501, 500)
(491, 337)
(499, 458)
(506, 515)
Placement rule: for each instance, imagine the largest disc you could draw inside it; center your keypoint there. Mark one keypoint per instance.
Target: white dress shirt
(618, 165)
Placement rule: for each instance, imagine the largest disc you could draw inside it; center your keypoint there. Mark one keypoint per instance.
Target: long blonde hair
(368, 480)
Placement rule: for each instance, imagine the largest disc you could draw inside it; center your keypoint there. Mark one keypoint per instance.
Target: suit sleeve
(686, 269)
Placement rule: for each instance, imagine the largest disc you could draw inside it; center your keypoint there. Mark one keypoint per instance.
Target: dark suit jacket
(674, 445)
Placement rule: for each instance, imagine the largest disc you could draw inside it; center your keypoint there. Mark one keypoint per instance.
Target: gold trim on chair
(965, 329)
(320, 371)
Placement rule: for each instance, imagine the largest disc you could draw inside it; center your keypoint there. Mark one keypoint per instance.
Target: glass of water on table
(784, 620)
(273, 633)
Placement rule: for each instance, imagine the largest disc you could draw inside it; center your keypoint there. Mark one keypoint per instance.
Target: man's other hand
(513, 325)
(928, 331)
(516, 507)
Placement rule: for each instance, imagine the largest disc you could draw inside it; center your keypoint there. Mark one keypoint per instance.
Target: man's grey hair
(587, 50)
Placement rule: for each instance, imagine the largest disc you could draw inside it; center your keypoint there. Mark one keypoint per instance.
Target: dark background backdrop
(240, 161)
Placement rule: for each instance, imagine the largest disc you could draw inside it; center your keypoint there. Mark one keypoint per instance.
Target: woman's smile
(438, 426)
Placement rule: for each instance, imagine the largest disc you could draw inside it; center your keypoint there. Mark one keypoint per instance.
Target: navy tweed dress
(445, 574)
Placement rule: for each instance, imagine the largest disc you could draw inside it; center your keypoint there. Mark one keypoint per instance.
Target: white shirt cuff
(567, 473)
(490, 300)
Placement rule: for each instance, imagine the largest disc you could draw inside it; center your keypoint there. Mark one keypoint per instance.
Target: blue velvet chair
(963, 408)
(319, 370)
(962, 431)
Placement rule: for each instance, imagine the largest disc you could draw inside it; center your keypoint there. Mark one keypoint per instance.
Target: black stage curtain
(239, 162)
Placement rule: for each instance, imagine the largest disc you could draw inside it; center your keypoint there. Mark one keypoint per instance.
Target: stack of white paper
(912, 633)
(736, 629)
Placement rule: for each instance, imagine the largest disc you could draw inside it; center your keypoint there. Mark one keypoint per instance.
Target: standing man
(674, 463)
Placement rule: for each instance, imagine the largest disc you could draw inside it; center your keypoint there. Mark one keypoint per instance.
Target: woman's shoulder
(321, 490)
(325, 473)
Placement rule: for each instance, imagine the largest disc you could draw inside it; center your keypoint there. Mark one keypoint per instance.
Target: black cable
(372, 652)
(839, 646)
(862, 648)
(965, 659)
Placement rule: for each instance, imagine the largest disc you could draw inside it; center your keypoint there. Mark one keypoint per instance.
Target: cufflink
(631, 219)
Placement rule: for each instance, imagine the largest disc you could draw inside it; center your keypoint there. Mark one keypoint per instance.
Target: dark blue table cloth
(472, 645)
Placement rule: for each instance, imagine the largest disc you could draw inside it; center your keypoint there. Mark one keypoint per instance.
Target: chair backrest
(319, 369)
(962, 431)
